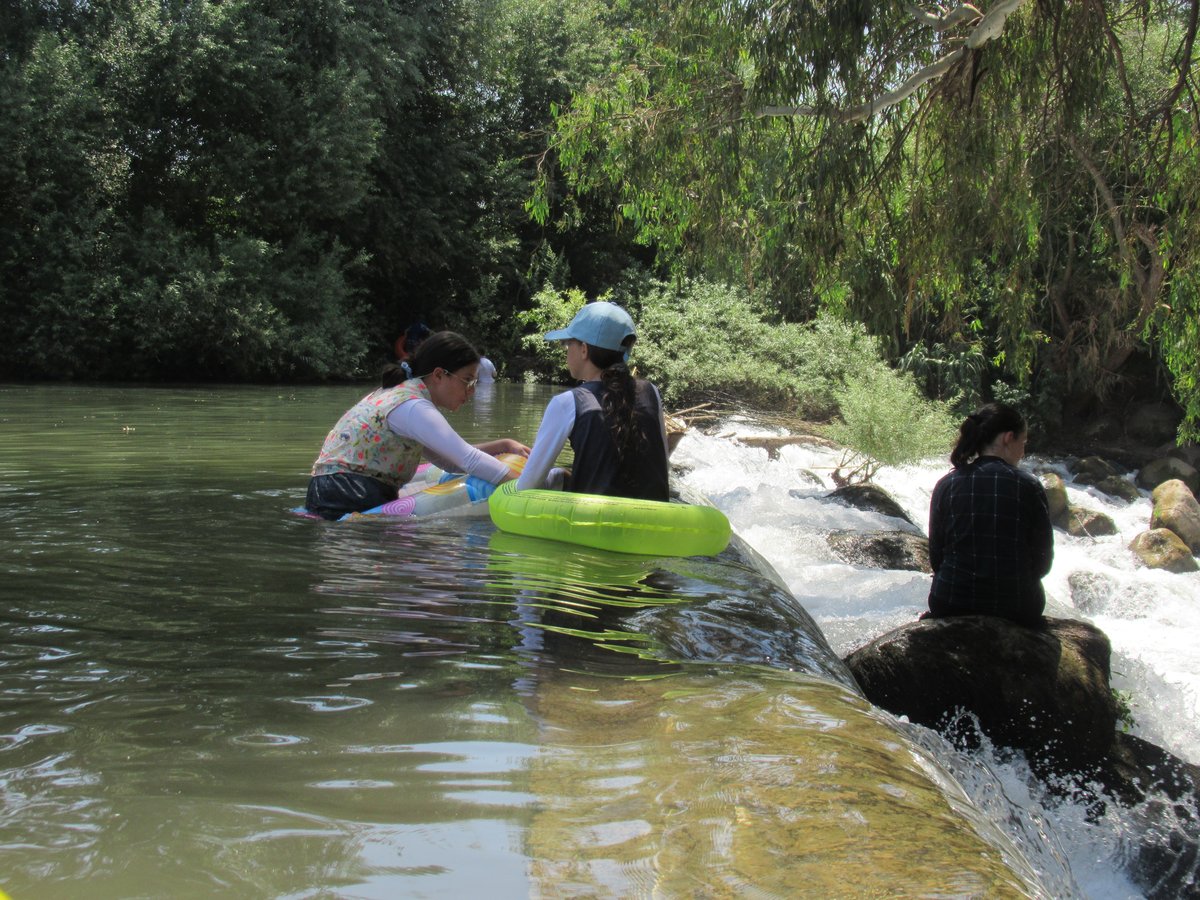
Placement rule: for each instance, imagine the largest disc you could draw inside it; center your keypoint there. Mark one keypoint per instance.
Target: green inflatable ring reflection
(620, 524)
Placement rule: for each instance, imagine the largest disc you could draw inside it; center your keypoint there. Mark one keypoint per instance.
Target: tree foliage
(175, 178)
(257, 189)
(885, 420)
(1018, 176)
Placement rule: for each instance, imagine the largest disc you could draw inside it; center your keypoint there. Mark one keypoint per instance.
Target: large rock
(1168, 468)
(1103, 428)
(1189, 453)
(1093, 469)
(1044, 691)
(1118, 486)
(1094, 592)
(871, 498)
(1161, 793)
(1056, 497)
(1161, 548)
(1089, 523)
(1153, 423)
(1175, 507)
(1129, 760)
(882, 549)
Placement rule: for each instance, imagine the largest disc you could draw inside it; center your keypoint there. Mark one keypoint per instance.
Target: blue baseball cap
(599, 324)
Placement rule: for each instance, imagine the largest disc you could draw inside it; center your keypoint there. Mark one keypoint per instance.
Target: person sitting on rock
(990, 537)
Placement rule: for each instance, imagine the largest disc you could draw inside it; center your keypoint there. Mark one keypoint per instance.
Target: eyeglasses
(469, 382)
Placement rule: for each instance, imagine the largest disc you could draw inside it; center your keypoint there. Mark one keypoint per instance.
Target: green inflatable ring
(621, 524)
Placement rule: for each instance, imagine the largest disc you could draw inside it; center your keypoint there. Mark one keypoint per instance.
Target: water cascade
(776, 501)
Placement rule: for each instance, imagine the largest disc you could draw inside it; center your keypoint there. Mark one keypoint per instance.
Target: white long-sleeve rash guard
(419, 420)
(552, 434)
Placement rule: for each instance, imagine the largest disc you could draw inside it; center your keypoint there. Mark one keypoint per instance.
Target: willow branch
(987, 28)
(991, 26)
(1149, 278)
(1114, 47)
(964, 13)
(1185, 55)
(891, 98)
(1109, 201)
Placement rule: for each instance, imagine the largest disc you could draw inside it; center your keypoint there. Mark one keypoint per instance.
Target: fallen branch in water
(773, 442)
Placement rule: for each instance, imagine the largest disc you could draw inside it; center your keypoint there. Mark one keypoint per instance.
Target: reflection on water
(202, 693)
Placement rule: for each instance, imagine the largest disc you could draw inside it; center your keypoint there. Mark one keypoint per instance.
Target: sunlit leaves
(1027, 199)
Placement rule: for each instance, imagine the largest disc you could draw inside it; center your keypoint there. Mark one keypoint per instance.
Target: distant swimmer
(487, 370)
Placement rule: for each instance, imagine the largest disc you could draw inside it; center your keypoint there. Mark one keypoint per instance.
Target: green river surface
(203, 694)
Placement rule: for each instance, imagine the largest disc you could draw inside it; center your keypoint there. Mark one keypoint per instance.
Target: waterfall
(778, 506)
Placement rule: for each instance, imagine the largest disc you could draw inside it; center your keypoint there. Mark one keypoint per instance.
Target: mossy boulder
(1092, 469)
(1118, 486)
(1161, 548)
(1056, 497)
(1089, 523)
(1175, 507)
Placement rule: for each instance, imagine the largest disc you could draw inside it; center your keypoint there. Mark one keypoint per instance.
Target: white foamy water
(1151, 617)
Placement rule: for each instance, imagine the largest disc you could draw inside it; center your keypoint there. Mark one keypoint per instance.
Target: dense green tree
(1018, 177)
(527, 57)
(268, 189)
(175, 175)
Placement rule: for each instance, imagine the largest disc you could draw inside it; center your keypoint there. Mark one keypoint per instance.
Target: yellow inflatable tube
(621, 524)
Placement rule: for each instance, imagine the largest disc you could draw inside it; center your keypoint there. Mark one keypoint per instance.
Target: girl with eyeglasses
(376, 446)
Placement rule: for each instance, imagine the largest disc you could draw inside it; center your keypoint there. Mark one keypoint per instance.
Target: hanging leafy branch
(1011, 174)
(983, 28)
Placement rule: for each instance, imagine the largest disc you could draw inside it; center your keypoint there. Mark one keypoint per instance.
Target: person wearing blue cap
(613, 421)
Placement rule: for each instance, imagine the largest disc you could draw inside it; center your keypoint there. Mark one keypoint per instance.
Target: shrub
(1040, 403)
(703, 340)
(885, 421)
(552, 309)
(953, 373)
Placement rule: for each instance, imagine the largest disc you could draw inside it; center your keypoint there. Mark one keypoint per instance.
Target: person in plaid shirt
(990, 537)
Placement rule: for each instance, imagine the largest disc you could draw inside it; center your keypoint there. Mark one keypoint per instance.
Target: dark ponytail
(618, 403)
(394, 374)
(982, 427)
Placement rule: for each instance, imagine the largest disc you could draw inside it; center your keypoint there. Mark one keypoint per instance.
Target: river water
(202, 693)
